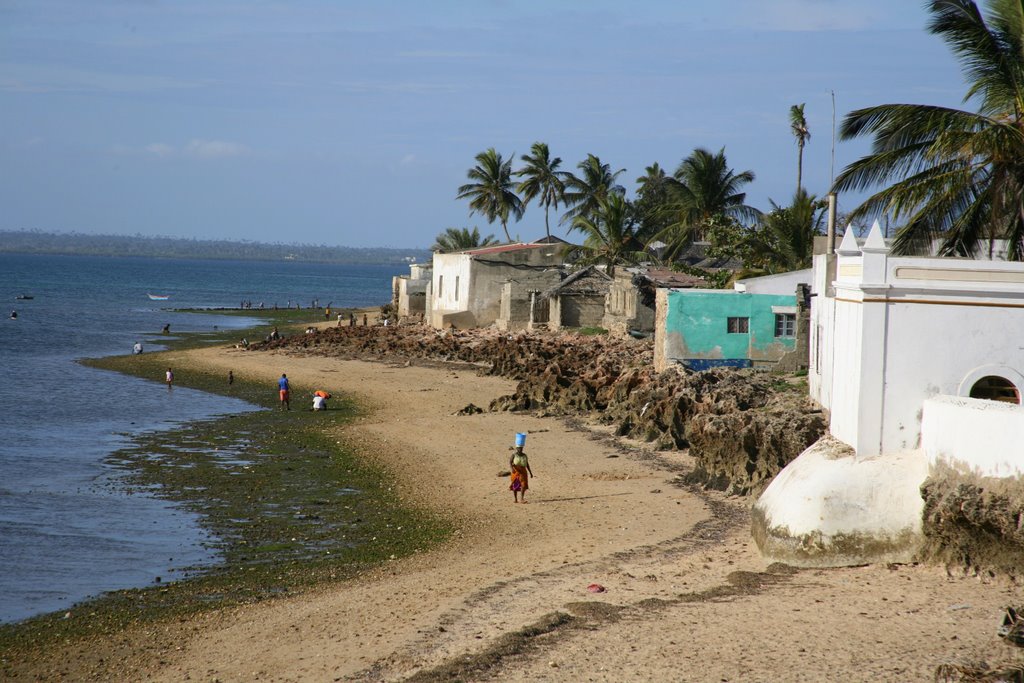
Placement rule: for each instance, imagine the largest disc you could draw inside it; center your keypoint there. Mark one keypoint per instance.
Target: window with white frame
(785, 324)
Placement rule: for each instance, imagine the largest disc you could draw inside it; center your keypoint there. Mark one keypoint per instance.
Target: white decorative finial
(849, 246)
(875, 243)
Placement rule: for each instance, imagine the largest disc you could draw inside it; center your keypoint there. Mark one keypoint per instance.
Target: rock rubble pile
(741, 426)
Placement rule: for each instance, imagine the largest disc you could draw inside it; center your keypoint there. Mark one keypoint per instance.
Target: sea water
(68, 528)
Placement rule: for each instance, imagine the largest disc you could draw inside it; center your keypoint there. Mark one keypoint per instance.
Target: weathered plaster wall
(696, 325)
(661, 334)
(623, 309)
(970, 435)
(830, 508)
(446, 298)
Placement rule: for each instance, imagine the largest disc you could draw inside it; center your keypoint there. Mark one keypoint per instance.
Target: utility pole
(830, 239)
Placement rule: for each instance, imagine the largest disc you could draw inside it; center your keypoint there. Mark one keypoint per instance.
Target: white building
(466, 286)
(920, 362)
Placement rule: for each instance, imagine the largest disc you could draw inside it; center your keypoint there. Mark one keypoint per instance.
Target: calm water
(67, 529)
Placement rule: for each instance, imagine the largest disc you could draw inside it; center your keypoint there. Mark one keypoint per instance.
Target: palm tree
(460, 239)
(798, 126)
(583, 193)
(959, 174)
(652, 196)
(784, 240)
(491, 194)
(609, 233)
(542, 179)
(704, 189)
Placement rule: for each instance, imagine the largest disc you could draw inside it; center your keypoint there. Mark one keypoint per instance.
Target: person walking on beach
(282, 390)
(519, 464)
(231, 377)
(169, 377)
(137, 349)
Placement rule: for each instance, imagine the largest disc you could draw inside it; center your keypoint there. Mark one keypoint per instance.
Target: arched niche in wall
(993, 383)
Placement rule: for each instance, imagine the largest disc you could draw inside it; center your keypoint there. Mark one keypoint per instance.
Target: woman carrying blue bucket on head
(521, 472)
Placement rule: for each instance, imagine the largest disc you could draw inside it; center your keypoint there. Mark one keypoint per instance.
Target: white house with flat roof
(466, 286)
(920, 363)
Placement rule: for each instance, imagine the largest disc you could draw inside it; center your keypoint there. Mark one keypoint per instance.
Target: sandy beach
(687, 596)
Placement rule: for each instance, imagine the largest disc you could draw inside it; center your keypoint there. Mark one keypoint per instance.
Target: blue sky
(353, 122)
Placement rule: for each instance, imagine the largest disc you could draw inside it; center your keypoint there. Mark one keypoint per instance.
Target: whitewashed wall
(449, 268)
(985, 438)
(907, 329)
(783, 283)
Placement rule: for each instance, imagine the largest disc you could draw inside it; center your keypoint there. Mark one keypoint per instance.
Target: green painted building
(703, 328)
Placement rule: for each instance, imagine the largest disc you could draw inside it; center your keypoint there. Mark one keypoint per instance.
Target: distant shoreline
(75, 244)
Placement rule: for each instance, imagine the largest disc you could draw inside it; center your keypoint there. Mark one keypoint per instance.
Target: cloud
(39, 78)
(407, 160)
(159, 149)
(193, 149)
(213, 149)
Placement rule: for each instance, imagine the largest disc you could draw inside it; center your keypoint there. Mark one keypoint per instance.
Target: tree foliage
(609, 233)
(584, 193)
(798, 126)
(491, 193)
(542, 180)
(959, 175)
(460, 239)
(702, 189)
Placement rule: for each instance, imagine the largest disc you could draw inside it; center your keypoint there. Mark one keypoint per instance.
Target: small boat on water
(24, 297)
(159, 297)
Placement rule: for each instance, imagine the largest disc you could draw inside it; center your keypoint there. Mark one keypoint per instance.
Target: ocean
(68, 528)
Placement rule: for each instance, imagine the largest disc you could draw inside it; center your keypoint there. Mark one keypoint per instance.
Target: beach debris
(470, 409)
(1012, 628)
(979, 672)
(596, 588)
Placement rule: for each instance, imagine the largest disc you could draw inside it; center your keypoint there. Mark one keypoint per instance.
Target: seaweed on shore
(288, 504)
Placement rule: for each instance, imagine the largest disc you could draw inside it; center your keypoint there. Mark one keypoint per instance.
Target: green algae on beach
(287, 503)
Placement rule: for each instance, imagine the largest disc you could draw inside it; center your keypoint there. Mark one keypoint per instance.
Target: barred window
(739, 325)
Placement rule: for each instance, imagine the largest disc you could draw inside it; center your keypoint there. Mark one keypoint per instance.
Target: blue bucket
(520, 440)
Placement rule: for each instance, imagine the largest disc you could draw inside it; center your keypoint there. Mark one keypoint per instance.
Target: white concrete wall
(783, 283)
(446, 270)
(985, 438)
(907, 329)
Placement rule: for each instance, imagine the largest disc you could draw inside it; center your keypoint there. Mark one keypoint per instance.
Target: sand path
(592, 518)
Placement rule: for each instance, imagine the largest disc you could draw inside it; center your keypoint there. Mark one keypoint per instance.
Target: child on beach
(282, 390)
(169, 377)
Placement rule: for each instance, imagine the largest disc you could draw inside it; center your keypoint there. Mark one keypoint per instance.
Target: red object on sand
(596, 588)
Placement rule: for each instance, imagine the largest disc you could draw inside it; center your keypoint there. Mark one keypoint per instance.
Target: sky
(353, 122)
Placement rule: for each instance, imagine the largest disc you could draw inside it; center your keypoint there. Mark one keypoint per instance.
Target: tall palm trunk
(800, 166)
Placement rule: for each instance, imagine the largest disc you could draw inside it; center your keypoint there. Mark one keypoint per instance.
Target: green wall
(696, 325)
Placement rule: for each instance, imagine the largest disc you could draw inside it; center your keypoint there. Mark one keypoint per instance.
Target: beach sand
(687, 595)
